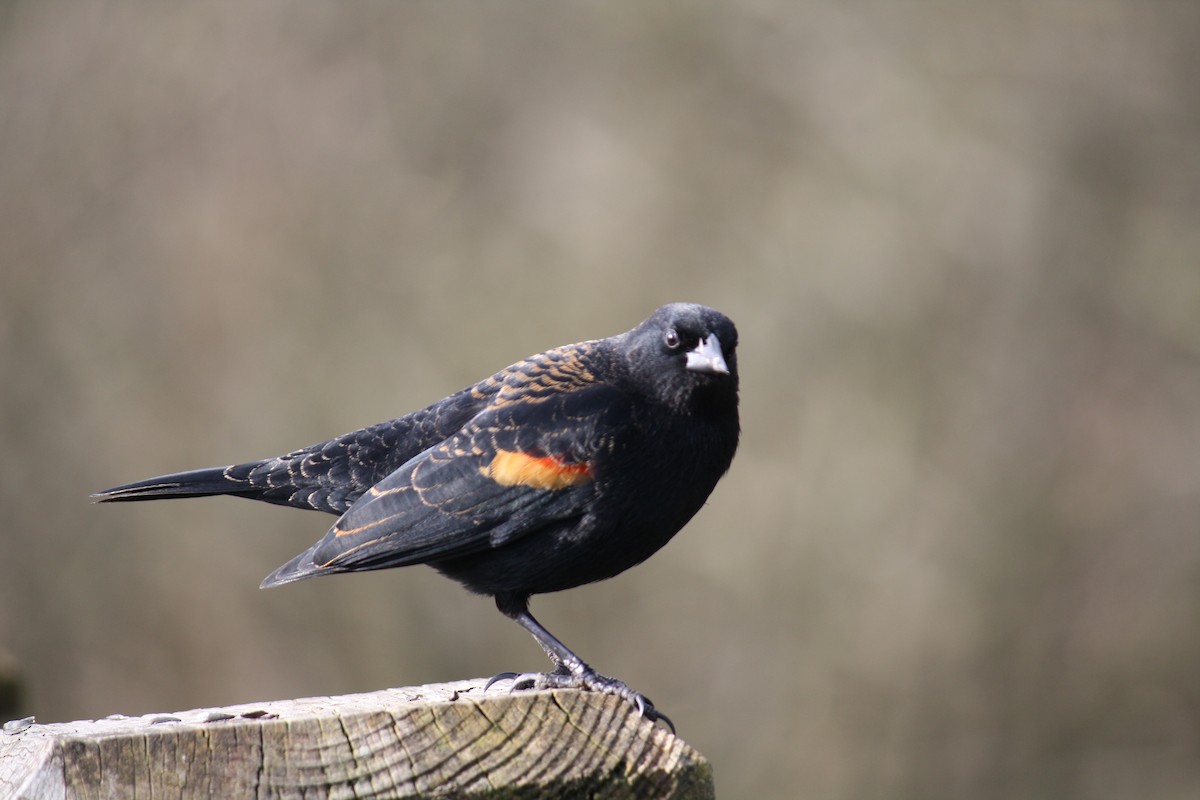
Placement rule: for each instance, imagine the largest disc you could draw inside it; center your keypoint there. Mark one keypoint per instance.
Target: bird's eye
(671, 338)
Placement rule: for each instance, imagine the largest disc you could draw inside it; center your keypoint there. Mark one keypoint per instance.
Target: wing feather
(449, 501)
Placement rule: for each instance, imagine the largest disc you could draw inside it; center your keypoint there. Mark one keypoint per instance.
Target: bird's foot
(587, 679)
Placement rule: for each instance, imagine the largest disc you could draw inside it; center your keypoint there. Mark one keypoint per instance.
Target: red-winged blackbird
(566, 468)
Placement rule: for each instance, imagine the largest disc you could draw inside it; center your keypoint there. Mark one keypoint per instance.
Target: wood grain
(439, 740)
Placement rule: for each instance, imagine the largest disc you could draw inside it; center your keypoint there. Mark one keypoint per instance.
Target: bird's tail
(297, 569)
(194, 483)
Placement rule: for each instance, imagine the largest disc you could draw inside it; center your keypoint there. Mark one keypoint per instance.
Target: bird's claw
(522, 681)
(589, 680)
(503, 676)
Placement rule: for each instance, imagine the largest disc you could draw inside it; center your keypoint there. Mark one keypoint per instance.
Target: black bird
(565, 468)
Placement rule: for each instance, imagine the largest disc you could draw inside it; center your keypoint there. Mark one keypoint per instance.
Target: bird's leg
(570, 671)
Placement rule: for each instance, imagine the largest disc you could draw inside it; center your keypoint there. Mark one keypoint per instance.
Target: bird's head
(684, 354)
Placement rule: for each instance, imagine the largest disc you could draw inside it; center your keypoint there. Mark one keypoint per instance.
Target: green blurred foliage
(958, 554)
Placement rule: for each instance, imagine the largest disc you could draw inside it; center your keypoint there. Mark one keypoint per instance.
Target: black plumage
(565, 468)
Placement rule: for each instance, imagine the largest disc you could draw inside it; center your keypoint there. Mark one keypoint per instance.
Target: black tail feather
(297, 569)
(194, 483)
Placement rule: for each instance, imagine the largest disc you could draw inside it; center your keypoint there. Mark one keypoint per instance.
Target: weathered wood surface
(441, 740)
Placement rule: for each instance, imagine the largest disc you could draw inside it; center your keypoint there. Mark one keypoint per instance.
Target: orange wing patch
(514, 468)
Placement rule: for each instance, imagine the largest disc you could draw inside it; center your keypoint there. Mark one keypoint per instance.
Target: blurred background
(958, 554)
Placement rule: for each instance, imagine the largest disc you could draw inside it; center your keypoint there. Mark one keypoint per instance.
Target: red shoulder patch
(514, 468)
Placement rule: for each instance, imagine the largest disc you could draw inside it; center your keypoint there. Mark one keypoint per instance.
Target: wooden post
(440, 740)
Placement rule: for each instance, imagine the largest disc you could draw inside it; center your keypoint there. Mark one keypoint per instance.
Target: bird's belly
(548, 560)
(575, 552)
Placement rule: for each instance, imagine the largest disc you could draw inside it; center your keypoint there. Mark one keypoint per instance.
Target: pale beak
(707, 356)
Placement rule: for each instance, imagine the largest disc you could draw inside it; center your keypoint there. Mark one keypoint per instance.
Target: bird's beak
(707, 356)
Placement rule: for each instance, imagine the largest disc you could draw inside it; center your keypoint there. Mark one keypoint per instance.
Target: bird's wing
(331, 476)
(525, 463)
(327, 476)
